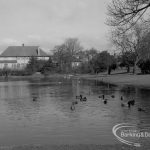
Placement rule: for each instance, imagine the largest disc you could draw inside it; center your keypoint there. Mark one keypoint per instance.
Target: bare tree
(144, 47)
(73, 48)
(126, 12)
(130, 42)
(66, 53)
(59, 55)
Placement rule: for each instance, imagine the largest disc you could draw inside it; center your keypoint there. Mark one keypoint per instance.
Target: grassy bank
(118, 78)
(33, 76)
(128, 79)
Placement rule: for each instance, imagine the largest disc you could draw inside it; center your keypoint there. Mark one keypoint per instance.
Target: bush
(144, 65)
(113, 66)
(47, 67)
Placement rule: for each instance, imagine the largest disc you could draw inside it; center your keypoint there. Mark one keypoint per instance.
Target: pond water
(49, 119)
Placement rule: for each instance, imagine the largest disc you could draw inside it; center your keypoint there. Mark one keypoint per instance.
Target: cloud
(49, 22)
(34, 37)
(10, 41)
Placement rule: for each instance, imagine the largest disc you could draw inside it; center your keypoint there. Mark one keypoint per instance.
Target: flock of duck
(105, 101)
(82, 98)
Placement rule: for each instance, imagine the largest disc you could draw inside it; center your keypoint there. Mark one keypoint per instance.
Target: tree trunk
(128, 69)
(109, 70)
(135, 66)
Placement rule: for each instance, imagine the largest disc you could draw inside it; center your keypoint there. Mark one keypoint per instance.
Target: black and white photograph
(74, 74)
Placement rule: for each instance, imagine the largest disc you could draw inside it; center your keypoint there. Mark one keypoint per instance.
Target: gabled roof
(22, 51)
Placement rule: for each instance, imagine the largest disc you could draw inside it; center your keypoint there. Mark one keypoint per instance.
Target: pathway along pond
(38, 111)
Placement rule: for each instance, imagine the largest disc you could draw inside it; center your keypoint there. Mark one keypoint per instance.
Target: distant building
(17, 57)
(76, 63)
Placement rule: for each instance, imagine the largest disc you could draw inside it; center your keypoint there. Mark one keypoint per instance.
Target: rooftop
(22, 51)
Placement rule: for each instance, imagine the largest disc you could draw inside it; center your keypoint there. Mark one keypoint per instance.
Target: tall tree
(73, 48)
(59, 56)
(32, 65)
(102, 61)
(129, 43)
(144, 47)
(91, 53)
(47, 67)
(126, 12)
(66, 53)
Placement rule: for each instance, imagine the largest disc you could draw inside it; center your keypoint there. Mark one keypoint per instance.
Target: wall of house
(21, 62)
(43, 58)
(8, 65)
(76, 64)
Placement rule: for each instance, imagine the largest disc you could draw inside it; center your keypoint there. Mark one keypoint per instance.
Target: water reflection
(48, 118)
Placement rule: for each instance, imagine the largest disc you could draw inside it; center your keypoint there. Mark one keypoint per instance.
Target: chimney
(38, 51)
(23, 45)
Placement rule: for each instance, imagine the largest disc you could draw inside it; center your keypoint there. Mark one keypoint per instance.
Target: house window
(5, 65)
(14, 66)
(18, 66)
(23, 65)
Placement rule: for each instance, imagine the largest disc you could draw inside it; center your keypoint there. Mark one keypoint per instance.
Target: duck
(113, 96)
(132, 102)
(75, 102)
(122, 105)
(84, 99)
(72, 107)
(34, 99)
(121, 98)
(140, 109)
(102, 96)
(105, 101)
(129, 104)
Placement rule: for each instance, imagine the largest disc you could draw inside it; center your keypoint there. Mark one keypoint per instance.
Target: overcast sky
(47, 23)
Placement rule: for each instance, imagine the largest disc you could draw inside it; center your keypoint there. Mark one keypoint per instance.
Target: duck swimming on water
(113, 96)
(141, 109)
(121, 98)
(72, 107)
(75, 103)
(122, 105)
(132, 102)
(105, 101)
(84, 99)
(102, 96)
(34, 99)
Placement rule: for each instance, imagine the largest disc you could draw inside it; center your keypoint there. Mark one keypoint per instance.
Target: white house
(17, 57)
